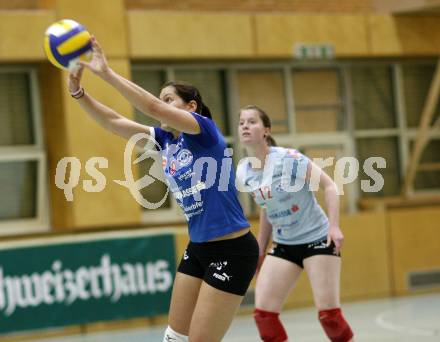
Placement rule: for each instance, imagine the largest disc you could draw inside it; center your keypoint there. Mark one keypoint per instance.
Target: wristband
(78, 94)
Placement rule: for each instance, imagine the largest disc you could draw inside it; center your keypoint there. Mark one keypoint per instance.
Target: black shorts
(227, 265)
(297, 253)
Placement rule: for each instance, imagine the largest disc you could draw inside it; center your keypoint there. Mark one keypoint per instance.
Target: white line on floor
(382, 322)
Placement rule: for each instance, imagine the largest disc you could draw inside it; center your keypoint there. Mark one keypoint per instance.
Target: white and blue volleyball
(67, 42)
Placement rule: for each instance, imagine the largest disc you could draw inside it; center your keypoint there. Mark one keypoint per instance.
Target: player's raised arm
(103, 115)
(178, 118)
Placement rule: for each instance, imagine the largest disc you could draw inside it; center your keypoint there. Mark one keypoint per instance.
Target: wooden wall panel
(22, 35)
(415, 243)
(26, 4)
(404, 35)
(166, 34)
(407, 6)
(306, 83)
(346, 6)
(266, 90)
(105, 19)
(189, 35)
(277, 35)
(55, 132)
(313, 89)
(366, 268)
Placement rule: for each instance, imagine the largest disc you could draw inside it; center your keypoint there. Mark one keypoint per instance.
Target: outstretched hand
(98, 64)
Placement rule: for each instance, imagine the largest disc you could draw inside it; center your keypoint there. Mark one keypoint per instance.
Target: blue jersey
(282, 190)
(199, 172)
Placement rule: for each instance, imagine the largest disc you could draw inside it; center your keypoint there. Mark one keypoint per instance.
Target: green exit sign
(313, 51)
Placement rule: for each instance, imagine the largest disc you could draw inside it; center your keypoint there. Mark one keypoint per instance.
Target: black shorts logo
(219, 265)
(222, 277)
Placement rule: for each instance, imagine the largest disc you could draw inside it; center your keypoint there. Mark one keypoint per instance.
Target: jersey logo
(184, 157)
(294, 208)
(279, 188)
(279, 214)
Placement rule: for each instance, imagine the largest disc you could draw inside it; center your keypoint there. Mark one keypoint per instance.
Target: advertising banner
(86, 280)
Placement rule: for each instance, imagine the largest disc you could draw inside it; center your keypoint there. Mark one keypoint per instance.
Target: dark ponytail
(204, 111)
(270, 140)
(266, 122)
(187, 92)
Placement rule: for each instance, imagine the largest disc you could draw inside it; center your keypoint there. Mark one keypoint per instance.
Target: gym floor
(403, 319)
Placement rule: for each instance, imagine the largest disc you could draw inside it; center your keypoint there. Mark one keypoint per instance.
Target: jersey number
(265, 193)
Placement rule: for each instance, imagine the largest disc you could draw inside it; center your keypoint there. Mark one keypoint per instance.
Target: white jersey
(282, 190)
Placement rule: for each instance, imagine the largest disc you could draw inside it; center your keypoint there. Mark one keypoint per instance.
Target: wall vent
(424, 279)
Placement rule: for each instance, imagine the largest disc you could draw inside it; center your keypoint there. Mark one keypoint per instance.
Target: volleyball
(66, 42)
